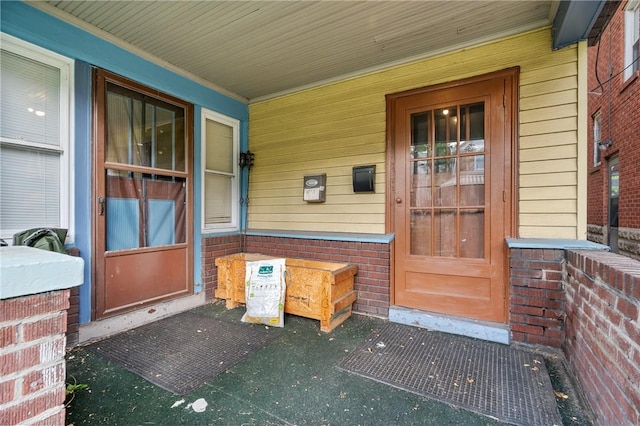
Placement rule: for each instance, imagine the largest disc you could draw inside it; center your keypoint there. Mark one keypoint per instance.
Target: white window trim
(66, 67)
(631, 13)
(597, 137)
(233, 225)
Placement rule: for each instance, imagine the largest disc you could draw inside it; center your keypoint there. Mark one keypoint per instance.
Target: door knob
(398, 200)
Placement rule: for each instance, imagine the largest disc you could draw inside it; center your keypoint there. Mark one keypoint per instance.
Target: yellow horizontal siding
(549, 166)
(549, 126)
(548, 153)
(568, 232)
(549, 72)
(559, 219)
(548, 180)
(549, 99)
(549, 113)
(299, 224)
(549, 207)
(540, 193)
(548, 139)
(330, 129)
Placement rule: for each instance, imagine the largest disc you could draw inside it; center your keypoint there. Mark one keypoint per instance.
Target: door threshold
(483, 330)
(96, 330)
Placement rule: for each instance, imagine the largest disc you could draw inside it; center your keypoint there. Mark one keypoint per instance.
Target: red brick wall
(603, 332)
(73, 313)
(372, 282)
(213, 247)
(536, 305)
(32, 366)
(619, 103)
(373, 261)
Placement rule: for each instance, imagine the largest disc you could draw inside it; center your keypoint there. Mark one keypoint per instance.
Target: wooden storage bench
(315, 289)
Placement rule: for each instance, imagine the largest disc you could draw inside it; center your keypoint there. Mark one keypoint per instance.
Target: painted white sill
(27, 270)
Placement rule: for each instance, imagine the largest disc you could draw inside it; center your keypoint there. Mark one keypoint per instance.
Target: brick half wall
(213, 247)
(32, 366)
(603, 332)
(536, 308)
(372, 282)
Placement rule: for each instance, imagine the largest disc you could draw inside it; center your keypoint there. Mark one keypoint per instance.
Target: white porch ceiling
(257, 49)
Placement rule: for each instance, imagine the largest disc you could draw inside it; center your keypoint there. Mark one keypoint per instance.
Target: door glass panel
(472, 233)
(144, 210)
(420, 132)
(444, 233)
(144, 131)
(472, 180)
(421, 184)
(472, 127)
(421, 232)
(446, 131)
(446, 182)
(447, 190)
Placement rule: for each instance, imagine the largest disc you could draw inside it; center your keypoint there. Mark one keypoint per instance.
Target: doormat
(185, 351)
(495, 380)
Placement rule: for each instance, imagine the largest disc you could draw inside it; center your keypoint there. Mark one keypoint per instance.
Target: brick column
(34, 298)
(537, 296)
(32, 366)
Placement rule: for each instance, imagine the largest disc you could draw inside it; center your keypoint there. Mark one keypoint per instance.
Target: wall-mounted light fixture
(603, 145)
(246, 159)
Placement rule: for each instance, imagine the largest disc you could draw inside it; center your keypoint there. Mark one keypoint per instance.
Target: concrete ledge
(27, 270)
(554, 243)
(100, 329)
(483, 330)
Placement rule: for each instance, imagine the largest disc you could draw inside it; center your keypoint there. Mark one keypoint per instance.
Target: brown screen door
(142, 175)
(451, 186)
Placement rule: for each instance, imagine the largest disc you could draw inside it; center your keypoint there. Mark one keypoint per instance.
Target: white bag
(264, 292)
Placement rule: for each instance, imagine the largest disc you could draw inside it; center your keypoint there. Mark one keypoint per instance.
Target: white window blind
(30, 100)
(220, 183)
(34, 138)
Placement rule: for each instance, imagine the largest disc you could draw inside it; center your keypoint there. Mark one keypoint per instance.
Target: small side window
(220, 191)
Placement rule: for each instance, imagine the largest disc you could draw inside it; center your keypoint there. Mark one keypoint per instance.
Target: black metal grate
(183, 352)
(499, 381)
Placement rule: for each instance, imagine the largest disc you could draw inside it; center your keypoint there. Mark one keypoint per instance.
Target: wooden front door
(451, 196)
(143, 247)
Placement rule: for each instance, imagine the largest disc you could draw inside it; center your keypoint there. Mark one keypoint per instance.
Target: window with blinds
(220, 172)
(35, 134)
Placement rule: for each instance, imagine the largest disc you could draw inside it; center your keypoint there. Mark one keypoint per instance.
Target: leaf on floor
(561, 395)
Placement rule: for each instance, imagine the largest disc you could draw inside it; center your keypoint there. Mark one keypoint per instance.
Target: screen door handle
(101, 203)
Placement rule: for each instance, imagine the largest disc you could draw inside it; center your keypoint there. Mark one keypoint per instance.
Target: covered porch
(300, 376)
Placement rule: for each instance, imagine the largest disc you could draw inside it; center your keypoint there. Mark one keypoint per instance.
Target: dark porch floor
(293, 380)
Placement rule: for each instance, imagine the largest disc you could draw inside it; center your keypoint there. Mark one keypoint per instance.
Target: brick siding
(73, 313)
(618, 102)
(588, 304)
(213, 247)
(603, 332)
(372, 259)
(32, 366)
(536, 296)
